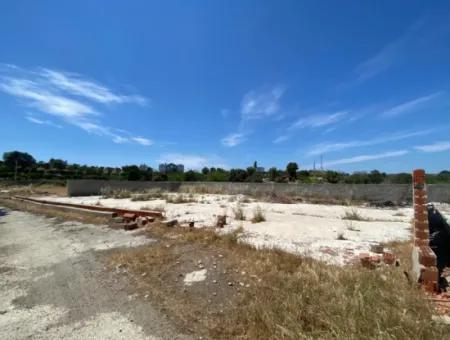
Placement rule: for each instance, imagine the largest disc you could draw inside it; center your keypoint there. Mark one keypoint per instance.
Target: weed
(115, 193)
(258, 215)
(239, 213)
(340, 236)
(354, 215)
(178, 199)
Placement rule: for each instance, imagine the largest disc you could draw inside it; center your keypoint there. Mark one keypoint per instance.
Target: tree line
(22, 166)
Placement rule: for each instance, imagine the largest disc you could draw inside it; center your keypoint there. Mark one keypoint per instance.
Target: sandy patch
(315, 230)
(195, 276)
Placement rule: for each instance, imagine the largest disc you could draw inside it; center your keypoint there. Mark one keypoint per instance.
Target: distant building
(259, 169)
(170, 167)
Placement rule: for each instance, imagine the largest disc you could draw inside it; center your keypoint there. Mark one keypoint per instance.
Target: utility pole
(314, 166)
(321, 162)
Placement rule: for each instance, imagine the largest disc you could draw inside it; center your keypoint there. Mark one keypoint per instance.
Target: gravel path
(53, 285)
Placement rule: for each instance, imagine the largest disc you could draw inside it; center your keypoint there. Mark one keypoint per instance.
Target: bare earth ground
(208, 285)
(315, 230)
(54, 284)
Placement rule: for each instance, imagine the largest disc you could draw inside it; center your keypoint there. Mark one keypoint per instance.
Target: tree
(58, 164)
(205, 170)
(291, 170)
(16, 159)
(273, 174)
(333, 176)
(238, 175)
(376, 177)
(192, 176)
(250, 171)
(131, 173)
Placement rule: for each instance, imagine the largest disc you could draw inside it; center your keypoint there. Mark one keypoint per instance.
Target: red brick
(129, 216)
(420, 200)
(422, 234)
(421, 215)
(421, 242)
(419, 176)
(427, 256)
(420, 225)
(420, 191)
(429, 274)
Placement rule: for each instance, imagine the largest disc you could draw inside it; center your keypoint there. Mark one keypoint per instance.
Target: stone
(171, 223)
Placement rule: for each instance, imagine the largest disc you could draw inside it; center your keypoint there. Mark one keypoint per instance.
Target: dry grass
(179, 198)
(289, 297)
(115, 193)
(354, 215)
(258, 215)
(239, 213)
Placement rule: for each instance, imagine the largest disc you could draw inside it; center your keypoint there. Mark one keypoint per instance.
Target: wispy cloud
(367, 157)
(388, 55)
(68, 96)
(281, 139)
(435, 147)
(195, 162)
(409, 106)
(234, 139)
(42, 122)
(43, 99)
(319, 120)
(77, 85)
(256, 105)
(338, 146)
(142, 141)
(261, 104)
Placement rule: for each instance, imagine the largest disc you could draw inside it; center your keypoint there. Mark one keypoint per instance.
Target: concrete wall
(375, 193)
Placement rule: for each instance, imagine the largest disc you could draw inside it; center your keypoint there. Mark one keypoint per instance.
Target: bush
(239, 213)
(258, 215)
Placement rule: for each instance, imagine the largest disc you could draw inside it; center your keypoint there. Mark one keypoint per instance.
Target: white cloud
(233, 139)
(42, 122)
(195, 162)
(258, 104)
(142, 141)
(281, 139)
(77, 85)
(319, 120)
(387, 55)
(51, 92)
(120, 140)
(436, 147)
(44, 100)
(329, 147)
(409, 105)
(364, 158)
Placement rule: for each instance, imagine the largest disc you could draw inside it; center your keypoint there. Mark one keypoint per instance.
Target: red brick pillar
(423, 258)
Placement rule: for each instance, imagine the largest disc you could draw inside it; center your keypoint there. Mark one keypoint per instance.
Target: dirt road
(54, 285)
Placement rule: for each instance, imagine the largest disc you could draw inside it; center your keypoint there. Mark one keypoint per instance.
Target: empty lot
(55, 286)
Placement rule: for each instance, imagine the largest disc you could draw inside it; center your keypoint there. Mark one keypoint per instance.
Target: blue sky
(224, 83)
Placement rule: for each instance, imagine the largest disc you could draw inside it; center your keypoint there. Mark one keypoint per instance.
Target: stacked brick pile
(423, 258)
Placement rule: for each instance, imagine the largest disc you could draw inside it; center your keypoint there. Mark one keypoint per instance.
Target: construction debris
(221, 221)
(171, 223)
